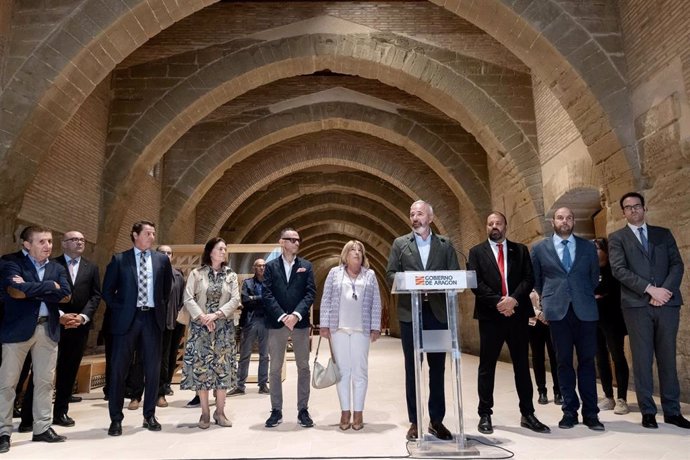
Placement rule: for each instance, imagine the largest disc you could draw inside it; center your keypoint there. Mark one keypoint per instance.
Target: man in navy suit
(421, 249)
(566, 272)
(646, 261)
(35, 287)
(503, 308)
(288, 294)
(136, 288)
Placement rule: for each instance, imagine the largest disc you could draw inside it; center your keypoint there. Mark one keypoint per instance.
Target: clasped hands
(659, 295)
(209, 320)
(290, 321)
(71, 320)
(506, 306)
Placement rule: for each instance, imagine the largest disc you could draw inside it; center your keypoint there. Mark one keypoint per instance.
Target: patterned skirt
(209, 357)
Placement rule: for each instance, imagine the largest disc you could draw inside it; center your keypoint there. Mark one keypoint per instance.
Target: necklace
(352, 282)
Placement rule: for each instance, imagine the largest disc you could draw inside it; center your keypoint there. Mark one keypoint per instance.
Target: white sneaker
(621, 407)
(606, 403)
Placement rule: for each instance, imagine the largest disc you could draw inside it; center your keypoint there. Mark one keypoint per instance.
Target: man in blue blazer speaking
(566, 272)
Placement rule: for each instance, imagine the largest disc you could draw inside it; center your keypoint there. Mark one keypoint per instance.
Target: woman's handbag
(183, 316)
(324, 377)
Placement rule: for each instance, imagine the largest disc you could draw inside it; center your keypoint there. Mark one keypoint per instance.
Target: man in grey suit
(423, 250)
(566, 272)
(646, 261)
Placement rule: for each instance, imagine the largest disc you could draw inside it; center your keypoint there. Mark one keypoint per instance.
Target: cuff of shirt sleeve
(86, 318)
(282, 317)
(299, 317)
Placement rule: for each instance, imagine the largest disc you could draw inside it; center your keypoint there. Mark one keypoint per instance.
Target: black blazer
(252, 303)
(23, 301)
(121, 283)
(86, 289)
(404, 256)
(281, 297)
(488, 291)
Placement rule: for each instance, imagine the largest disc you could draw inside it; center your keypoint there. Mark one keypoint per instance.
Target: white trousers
(351, 352)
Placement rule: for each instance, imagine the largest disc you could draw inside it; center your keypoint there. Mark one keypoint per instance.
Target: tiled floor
(382, 437)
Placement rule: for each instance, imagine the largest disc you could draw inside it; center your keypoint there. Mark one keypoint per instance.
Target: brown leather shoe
(344, 420)
(161, 402)
(133, 404)
(357, 420)
(412, 432)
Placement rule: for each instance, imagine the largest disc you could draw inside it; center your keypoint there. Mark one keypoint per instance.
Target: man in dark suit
(35, 287)
(85, 284)
(136, 288)
(288, 294)
(566, 272)
(646, 261)
(253, 324)
(503, 308)
(423, 250)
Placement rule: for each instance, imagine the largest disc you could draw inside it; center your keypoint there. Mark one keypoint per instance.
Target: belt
(42, 319)
(144, 308)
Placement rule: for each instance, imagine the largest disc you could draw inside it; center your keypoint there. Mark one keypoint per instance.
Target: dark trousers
(567, 334)
(254, 330)
(492, 336)
(652, 332)
(176, 336)
(437, 366)
(610, 340)
(144, 337)
(540, 338)
(134, 383)
(70, 353)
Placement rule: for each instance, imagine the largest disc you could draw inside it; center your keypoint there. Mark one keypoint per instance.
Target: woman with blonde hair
(351, 317)
(211, 297)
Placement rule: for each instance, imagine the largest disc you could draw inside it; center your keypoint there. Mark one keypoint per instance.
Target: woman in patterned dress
(211, 297)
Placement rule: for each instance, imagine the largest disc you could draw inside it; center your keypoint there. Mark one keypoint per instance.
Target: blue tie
(567, 261)
(643, 239)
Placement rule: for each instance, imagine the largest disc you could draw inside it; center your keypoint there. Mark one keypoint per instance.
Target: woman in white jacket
(350, 315)
(211, 297)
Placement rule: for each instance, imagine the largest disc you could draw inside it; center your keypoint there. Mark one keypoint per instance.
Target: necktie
(567, 261)
(643, 239)
(73, 269)
(143, 296)
(504, 288)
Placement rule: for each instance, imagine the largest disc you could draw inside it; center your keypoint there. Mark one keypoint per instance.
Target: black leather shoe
(168, 390)
(236, 392)
(568, 421)
(677, 420)
(25, 428)
(264, 390)
(63, 420)
(485, 426)
(441, 432)
(649, 421)
(558, 399)
(531, 422)
(593, 423)
(412, 432)
(151, 424)
(75, 399)
(48, 435)
(115, 429)
(304, 419)
(275, 418)
(543, 399)
(4, 444)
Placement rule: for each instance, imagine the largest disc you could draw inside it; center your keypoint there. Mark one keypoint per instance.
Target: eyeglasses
(75, 240)
(292, 240)
(259, 265)
(635, 207)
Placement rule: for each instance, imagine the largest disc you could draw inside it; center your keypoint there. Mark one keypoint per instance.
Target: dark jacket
(281, 296)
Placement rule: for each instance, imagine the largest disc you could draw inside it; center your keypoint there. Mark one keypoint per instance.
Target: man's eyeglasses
(292, 240)
(75, 240)
(635, 207)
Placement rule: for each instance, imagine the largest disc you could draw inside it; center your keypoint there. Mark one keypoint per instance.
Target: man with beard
(566, 272)
(423, 250)
(646, 261)
(503, 308)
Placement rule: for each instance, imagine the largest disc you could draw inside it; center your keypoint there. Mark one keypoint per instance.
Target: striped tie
(143, 297)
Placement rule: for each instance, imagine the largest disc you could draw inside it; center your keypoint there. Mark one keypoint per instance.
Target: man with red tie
(503, 308)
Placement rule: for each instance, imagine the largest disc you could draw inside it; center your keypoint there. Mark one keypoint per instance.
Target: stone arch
(587, 79)
(373, 56)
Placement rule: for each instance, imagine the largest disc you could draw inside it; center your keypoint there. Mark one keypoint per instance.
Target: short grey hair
(427, 204)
